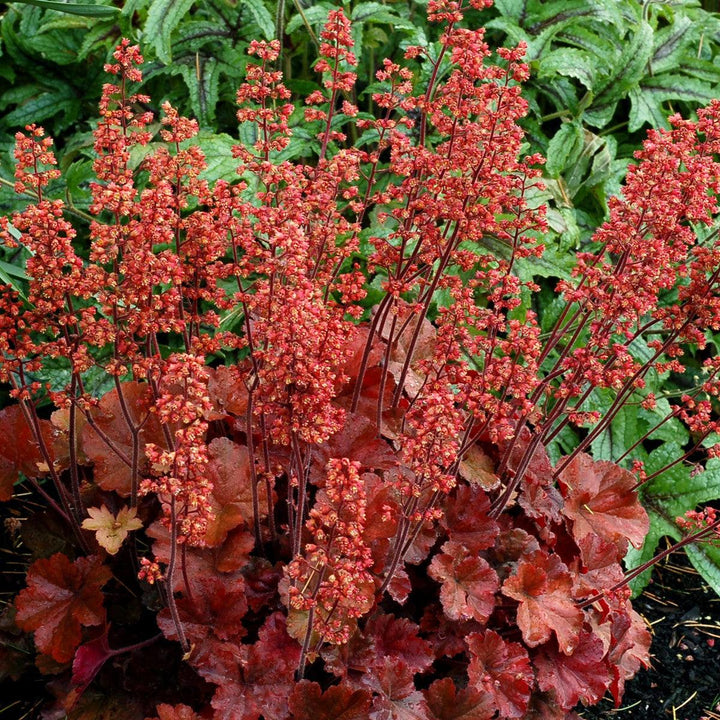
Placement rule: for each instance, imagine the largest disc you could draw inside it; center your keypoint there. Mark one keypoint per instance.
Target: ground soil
(684, 680)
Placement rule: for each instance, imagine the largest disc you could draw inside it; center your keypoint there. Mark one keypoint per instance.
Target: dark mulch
(684, 681)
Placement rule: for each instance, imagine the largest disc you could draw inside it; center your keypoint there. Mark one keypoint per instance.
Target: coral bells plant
(321, 466)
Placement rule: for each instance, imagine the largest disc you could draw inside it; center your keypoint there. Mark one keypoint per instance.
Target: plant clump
(320, 462)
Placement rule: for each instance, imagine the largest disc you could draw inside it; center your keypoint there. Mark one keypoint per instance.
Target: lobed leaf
(19, 452)
(502, 671)
(543, 587)
(446, 703)
(61, 597)
(468, 583)
(339, 702)
(600, 499)
(163, 17)
(581, 676)
(261, 16)
(113, 460)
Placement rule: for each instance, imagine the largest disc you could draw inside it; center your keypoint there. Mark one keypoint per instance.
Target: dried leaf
(478, 469)
(111, 530)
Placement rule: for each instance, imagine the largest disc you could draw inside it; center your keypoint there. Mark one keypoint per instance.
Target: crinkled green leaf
(218, 155)
(564, 148)
(58, 47)
(670, 42)
(646, 100)
(680, 488)
(46, 104)
(261, 16)
(202, 80)
(18, 95)
(706, 559)
(512, 9)
(378, 13)
(659, 527)
(195, 34)
(626, 74)
(572, 62)
(163, 17)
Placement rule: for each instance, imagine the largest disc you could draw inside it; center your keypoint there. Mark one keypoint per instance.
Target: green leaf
(378, 13)
(670, 430)
(218, 155)
(10, 274)
(659, 528)
(315, 15)
(702, 70)
(97, 36)
(646, 100)
(130, 7)
(195, 34)
(564, 148)
(58, 47)
(163, 17)
(261, 16)
(603, 44)
(679, 489)
(513, 9)
(669, 44)
(626, 74)
(202, 79)
(18, 95)
(706, 559)
(44, 105)
(571, 62)
(699, 487)
(74, 8)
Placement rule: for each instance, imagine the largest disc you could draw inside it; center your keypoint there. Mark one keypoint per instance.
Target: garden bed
(684, 680)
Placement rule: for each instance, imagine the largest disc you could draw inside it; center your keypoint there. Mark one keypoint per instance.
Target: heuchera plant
(339, 508)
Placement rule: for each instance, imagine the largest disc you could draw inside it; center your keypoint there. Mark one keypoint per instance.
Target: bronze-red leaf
(61, 597)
